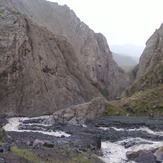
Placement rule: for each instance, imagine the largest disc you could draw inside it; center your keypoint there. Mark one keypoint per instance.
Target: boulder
(38, 143)
(2, 160)
(146, 157)
(159, 155)
(79, 113)
(48, 144)
(132, 155)
(45, 143)
(141, 156)
(4, 147)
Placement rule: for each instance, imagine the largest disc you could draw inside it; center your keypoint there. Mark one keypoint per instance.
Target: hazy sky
(121, 21)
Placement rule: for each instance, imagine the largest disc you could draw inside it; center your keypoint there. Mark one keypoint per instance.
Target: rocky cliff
(144, 96)
(39, 70)
(91, 49)
(150, 70)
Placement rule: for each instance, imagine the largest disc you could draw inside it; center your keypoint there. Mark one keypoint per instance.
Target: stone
(146, 157)
(2, 160)
(132, 155)
(29, 143)
(38, 143)
(159, 155)
(4, 147)
(48, 144)
(45, 143)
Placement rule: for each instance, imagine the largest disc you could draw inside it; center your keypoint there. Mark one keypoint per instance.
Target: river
(113, 150)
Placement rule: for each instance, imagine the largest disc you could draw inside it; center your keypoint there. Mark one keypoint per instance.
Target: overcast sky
(121, 21)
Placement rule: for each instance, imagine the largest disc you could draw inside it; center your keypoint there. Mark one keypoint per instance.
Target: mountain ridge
(91, 48)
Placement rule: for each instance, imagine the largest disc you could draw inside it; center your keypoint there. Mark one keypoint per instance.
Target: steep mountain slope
(93, 53)
(145, 95)
(150, 69)
(39, 71)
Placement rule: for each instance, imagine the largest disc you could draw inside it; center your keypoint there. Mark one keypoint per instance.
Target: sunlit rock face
(91, 49)
(39, 71)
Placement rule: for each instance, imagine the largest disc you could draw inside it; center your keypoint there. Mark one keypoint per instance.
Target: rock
(132, 155)
(2, 160)
(49, 121)
(48, 143)
(29, 143)
(146, 157)
(38, 143)
(159, 155)
(4, 147)
(79, 113)
(82, 142)
(128, 144)
(39, 71)
(149, 73)
(92, 50)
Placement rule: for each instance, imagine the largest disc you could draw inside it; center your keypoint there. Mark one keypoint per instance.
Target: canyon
(63, 97)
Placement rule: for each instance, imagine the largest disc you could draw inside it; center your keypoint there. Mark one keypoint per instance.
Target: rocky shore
(83, 143)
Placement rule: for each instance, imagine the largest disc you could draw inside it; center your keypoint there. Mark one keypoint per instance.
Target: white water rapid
(115, 152)
(15, 123)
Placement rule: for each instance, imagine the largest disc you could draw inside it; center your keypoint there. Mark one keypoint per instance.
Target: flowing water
(14, 124)
(113, 152)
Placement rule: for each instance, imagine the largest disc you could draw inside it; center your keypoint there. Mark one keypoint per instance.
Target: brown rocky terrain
(39, 71)
(91, 49)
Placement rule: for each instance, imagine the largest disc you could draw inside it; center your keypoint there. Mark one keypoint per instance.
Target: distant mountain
(128, 49)
(124, 60)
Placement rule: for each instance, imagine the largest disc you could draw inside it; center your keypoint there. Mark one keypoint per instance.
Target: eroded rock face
(153, 53)
(149, 72)
(39, 71)
(144, 96)
(92, 50)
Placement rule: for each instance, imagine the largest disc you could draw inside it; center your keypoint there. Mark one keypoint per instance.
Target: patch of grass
(84, 158)
(159, 107)
(143, 102)
(2, 134)
(1, 12)
(111, 110)
(25, 153)
(70, 157)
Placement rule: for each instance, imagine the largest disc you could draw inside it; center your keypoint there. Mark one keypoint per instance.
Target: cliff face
(150, 70)
(39, 71)
(144, 96)
(92, 51)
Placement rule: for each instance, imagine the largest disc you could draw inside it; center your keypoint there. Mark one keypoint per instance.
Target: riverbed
(119, 135)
